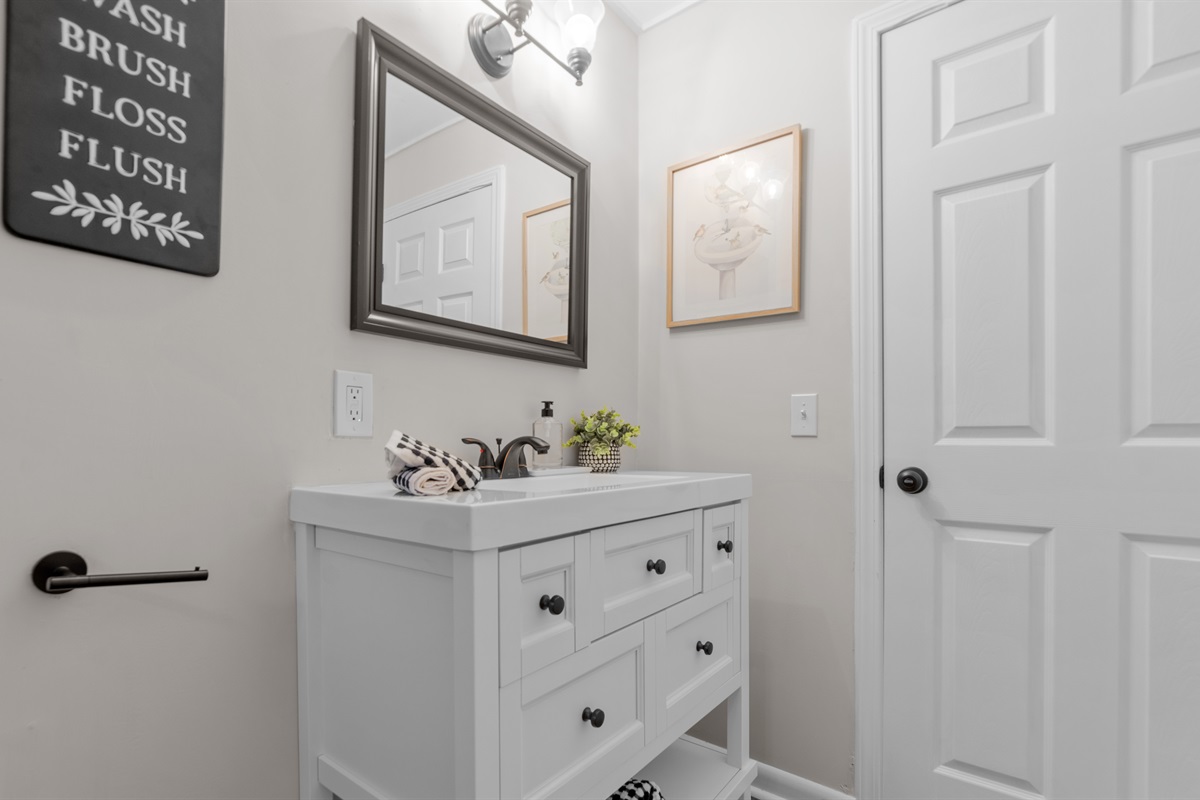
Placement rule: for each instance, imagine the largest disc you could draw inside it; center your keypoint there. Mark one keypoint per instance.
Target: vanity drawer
(687, 671)
(540, 589)
(625, 561)
(722, 547)
(547, 748)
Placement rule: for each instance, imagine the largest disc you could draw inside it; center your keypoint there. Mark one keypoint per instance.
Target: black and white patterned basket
(638, 789)
(608, 463)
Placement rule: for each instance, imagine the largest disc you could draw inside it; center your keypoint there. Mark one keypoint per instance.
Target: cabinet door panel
(626, 589)
(547, 748)
(532, 636)
(720, 546)
(686, 673)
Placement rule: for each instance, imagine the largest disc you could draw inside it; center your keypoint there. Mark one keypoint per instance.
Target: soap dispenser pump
(549, 430)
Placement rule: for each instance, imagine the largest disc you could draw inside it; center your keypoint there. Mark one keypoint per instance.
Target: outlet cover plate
(804, 415)
(360, 386)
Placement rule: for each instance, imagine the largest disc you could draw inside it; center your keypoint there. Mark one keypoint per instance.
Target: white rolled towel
(437, 471)
(427, 481)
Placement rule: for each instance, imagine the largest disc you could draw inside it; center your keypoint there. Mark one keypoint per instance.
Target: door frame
(866, 254)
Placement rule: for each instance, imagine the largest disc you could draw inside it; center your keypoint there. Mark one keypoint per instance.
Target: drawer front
(687, 672)
(721, 546)
(547, 748)
(627, 590)
(536, 581)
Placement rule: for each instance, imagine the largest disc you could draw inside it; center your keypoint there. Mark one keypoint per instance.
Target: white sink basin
(587, 482)
(503, 513)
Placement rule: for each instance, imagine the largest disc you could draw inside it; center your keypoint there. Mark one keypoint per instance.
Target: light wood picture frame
(545, 271)
(733, 232)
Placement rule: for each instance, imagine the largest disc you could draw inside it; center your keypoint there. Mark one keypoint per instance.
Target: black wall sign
(113, 127)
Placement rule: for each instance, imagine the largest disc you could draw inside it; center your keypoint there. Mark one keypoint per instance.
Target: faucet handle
(487, 462)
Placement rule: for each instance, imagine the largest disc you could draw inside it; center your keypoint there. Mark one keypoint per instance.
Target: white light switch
(353, 408)
(804, 415)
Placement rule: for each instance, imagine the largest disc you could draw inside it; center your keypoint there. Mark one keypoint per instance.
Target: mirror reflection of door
(459, 205)
(438, 259)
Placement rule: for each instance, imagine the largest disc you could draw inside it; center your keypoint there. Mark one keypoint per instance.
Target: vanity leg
(737, 729)
(737, 720)
(476, 675)
(308, 644)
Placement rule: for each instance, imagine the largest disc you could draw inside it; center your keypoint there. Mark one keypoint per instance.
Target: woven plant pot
(608, 463)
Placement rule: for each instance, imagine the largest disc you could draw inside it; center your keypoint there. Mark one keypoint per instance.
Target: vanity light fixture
(493, 46)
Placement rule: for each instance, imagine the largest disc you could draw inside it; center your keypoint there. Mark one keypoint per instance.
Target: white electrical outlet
(804, 415)
(353, 409)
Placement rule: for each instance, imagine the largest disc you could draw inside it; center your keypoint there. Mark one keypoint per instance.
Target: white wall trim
(773, 783)
(866, 252)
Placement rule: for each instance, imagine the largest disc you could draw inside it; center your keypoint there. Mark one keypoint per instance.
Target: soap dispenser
(550, 431)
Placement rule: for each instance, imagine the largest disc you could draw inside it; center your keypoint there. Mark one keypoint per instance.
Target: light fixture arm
(489, 58)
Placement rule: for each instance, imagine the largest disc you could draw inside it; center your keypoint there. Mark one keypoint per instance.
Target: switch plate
(804, 415)
(353, 408)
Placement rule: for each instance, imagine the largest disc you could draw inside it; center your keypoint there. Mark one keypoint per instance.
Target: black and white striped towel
(418, 468)
(638, 789)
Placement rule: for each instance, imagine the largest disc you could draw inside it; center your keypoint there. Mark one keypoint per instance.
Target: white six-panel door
(1041, 212)
(439, 259)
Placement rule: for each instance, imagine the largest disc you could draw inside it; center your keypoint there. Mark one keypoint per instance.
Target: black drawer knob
(554, 605)
(659, 566)
(726, 545)
(704, 647)
(594, 716)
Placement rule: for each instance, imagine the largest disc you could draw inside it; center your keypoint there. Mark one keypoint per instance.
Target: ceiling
(642, 15)
(412, 115)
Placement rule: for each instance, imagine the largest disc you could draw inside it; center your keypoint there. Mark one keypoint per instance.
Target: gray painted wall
(175, 412)
(715, 397)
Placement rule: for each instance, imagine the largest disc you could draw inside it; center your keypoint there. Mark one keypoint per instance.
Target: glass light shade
(579, 21)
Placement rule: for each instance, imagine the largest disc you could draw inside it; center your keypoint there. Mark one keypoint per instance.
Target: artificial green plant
(603, 431)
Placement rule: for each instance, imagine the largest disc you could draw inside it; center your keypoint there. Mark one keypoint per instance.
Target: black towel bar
(62, 571)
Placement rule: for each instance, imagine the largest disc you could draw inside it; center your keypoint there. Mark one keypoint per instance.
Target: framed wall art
(733, 232)
(546, 271)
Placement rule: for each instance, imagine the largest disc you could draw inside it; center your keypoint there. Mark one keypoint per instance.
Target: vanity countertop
(502, 513)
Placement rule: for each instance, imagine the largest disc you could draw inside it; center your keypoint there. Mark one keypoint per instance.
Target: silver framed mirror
(470, 225)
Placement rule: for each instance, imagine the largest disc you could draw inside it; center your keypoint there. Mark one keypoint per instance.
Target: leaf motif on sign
(115, 214)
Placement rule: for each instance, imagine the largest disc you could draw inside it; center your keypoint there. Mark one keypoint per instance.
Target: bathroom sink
(588, 482)
(504, 512)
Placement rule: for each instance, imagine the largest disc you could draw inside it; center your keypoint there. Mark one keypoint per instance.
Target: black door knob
(704, 647)
(659, 566)
(912, 480)
(726, 545)
(554, 605)
(594, 716)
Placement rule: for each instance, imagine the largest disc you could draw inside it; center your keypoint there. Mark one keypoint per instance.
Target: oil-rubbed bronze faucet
(515, 467)
(510, 461)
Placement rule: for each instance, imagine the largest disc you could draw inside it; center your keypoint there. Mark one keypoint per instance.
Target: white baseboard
(775, 784)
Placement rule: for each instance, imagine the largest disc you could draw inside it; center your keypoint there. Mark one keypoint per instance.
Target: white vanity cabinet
(535, 638)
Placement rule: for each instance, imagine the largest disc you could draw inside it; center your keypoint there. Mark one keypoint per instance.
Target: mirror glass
(470, 225)
(474, 229)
